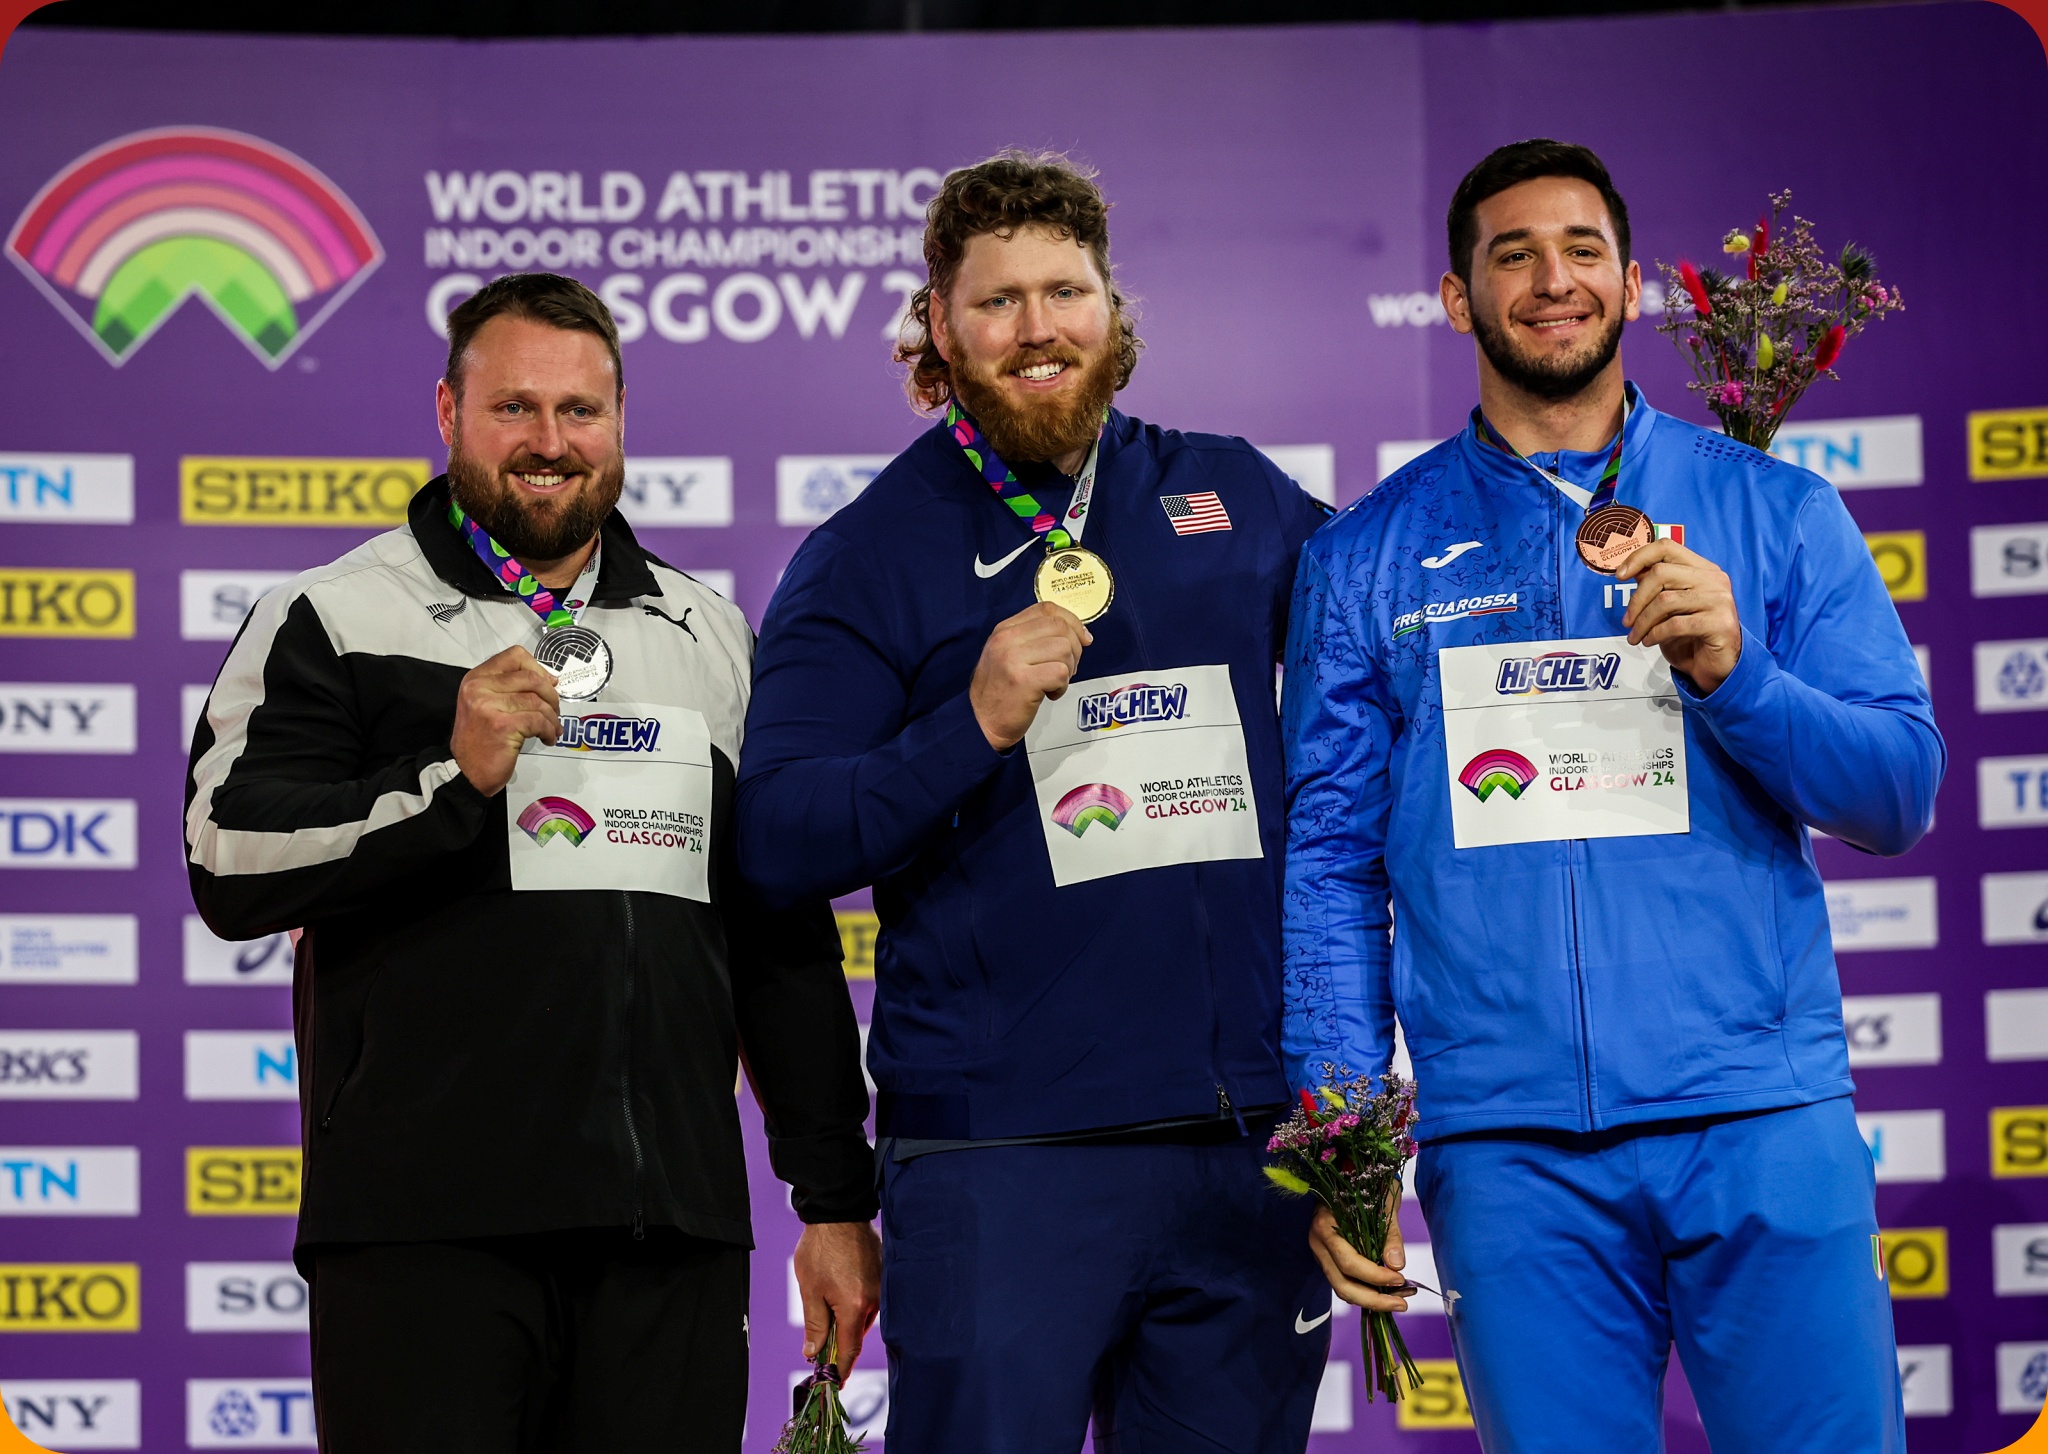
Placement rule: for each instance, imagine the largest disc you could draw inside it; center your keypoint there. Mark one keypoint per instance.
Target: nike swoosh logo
(986, 571)
(1309, 1327)
(1451, 553)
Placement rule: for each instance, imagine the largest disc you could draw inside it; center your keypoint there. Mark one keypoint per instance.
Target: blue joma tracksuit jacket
(1588, 983)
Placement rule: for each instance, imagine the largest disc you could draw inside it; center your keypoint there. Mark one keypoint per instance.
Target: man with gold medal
(1023, 686)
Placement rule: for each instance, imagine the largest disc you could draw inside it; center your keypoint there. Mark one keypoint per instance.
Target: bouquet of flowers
(1345, 1145)
(1757, 340)
(818, 1425)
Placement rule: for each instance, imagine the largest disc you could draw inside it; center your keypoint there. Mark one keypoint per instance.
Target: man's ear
(1632, 291)
(445, 405)
(936, 312)
(1457, 302)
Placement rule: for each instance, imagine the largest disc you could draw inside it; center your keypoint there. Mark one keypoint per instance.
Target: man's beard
(1042, 429)
(533, 529)
(1546, 376)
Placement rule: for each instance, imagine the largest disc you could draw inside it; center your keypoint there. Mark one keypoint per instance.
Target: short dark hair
(1524, 161)
(546, 298)
(1011, 190)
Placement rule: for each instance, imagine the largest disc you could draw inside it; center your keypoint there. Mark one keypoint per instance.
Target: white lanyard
(1076, 518)
(1579, 496)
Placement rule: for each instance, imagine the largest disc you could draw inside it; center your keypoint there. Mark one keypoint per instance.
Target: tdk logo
(1557, 671)
(604, 732)
(1137, 702)
(67, 833)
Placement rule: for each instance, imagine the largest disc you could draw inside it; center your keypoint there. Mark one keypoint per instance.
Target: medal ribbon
(1610, 473)
(1010, 490)
(520, 581)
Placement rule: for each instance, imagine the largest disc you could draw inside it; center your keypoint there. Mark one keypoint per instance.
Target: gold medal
(1076, 578)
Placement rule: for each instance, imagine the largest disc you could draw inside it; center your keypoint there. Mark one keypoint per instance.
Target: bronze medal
(1077, 579)
(1611, 534)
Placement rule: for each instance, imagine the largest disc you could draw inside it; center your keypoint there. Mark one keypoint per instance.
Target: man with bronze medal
(1023, 686)
(486, 763)
(1563, 699)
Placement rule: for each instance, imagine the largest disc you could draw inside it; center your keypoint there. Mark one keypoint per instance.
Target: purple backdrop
(1279, 196)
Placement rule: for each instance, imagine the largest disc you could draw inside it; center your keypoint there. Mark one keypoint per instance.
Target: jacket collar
(622, 574)
(1492, 465)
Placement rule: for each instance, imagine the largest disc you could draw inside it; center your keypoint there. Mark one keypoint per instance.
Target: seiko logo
(1558, 671)
(69, 1297)
(1138, 702)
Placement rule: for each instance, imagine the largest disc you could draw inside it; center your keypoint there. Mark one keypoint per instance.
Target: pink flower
(1696, 286)
(1329, 1153)
(1692, 341)
(1728, 395)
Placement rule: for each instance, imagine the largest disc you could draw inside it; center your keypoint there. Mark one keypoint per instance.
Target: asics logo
(1304, 1324)
(1451, 553)
(987, 570)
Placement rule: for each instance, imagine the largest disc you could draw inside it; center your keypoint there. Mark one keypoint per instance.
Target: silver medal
(580, 660)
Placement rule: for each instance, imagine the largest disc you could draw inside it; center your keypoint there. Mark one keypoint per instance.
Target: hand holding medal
(499, 705)
(1684, 605)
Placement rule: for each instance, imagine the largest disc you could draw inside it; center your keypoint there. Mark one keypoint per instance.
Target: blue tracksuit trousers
(1578, 1260)
(1166, 1290)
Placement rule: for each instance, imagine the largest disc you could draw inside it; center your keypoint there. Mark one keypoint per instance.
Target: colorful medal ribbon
(515, 577)
(1610, 474)
(1009, 489)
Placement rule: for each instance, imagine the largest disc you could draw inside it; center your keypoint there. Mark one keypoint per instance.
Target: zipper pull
(1225, 1108)
(639, 1226)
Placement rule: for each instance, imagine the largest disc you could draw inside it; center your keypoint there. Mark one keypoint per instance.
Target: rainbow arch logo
(546, 818)
(123, 236)
(1091, 803)
(1498, 768)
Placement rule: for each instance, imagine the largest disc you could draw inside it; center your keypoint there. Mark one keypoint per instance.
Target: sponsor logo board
(249, 1413)
(1440, 1402)
(244, 1297)
(212, 604)
(857, 931)
(2022, 1377)
(1916, 1261)
(70, 1297)
(1855, 454)
(2019, 1259)
(242, 1181)
(68, 489)
(2015, 907)
(2009, 444)
(2016, 1024)
(67, 949)
(68, 1065)
(1882, 913)
(67, 833)
(212, 960)
(811, 488)
(724, 582)
(1892, 1029)
(1926, 1380)
(50, 601)
(61, 717)
(69, 1181)
(76, 1413)
(1312, 466)
(2012, 792)
(678, 492)
(2009, 560)
(191, 707)
(1901, 557)
(125, 234)
(241, 1065)
(231, 490)
(1906, 1145)
(2011, 676)
(1393, 454)
(2019, 1141)
(1332, 1413)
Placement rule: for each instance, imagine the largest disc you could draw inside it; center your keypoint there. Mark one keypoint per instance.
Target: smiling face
(1549, 290)
(1029, 331)
(535, 436)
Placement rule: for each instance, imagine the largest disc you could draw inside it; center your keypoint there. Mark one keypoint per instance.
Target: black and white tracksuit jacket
(474, 1061)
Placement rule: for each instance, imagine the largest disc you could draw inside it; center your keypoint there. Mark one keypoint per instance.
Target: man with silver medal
(529, 964)
(1023, 686)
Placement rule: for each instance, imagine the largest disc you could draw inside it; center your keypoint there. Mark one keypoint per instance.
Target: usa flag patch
(1195, 514)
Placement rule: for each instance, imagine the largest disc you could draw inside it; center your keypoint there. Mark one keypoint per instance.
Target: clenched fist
(500, 704)
(1028, 658)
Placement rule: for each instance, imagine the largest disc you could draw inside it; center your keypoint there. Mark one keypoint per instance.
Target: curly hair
(1011, 190)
